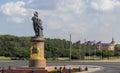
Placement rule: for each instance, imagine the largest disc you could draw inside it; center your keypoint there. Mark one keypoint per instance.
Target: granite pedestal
(37, 59)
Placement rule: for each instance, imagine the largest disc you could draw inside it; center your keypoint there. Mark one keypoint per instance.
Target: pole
(89, 51)
(84, 48)
(70, 46)
(101, 54)
(80, 50)
(94, 53)
(84, 51)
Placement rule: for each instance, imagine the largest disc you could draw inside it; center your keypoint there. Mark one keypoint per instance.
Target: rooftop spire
(112, 40)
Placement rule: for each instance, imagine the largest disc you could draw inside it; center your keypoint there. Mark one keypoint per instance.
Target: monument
(37, 59)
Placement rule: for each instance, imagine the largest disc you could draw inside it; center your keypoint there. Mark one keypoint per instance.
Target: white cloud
(30, 1)
(54, 25)
(62, 17)
(65, 17)
(14, 19)
(77, 28)
(14, 10)
(77, 6)
(105, 28)
(104, 5)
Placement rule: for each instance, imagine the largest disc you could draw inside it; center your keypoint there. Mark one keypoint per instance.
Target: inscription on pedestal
(35, 54)
(34, 51)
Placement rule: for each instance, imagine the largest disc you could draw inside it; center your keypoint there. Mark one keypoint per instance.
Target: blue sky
(85, 19)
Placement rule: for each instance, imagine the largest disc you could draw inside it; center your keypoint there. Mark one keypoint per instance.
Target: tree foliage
(14, 47)
(19, 47)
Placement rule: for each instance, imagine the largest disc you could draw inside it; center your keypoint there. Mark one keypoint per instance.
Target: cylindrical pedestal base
(37, 59)
(37, 63)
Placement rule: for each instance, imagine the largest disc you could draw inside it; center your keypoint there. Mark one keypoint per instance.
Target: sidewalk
(90, 68)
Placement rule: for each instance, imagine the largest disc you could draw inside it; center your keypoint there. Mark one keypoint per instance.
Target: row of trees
(14, 47)
(18, 48)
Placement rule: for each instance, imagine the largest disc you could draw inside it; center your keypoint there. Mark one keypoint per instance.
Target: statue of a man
(37, 25)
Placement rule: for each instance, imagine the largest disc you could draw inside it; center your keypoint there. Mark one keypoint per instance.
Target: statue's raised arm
(37, 25)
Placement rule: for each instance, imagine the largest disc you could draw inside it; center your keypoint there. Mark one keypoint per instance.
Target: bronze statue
(37, 25)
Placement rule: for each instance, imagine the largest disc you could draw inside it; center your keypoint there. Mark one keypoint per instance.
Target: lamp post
(70, 46)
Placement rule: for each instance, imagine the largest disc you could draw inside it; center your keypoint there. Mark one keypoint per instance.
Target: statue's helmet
(36, 13)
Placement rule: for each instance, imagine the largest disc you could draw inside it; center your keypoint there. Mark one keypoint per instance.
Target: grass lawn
(99, 58)
(4, 58)
(58, 59)
(92, 58)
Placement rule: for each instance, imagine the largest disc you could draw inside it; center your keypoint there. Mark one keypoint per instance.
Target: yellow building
(107, 46)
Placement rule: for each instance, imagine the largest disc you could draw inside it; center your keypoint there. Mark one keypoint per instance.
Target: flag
(98, 43)
(88, 43)
(78, 42)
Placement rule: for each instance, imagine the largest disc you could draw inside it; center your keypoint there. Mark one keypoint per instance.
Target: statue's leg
(42, 33)
(38, 32)
(35, 30)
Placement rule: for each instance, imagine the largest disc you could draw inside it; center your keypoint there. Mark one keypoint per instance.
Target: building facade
(107, 46)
